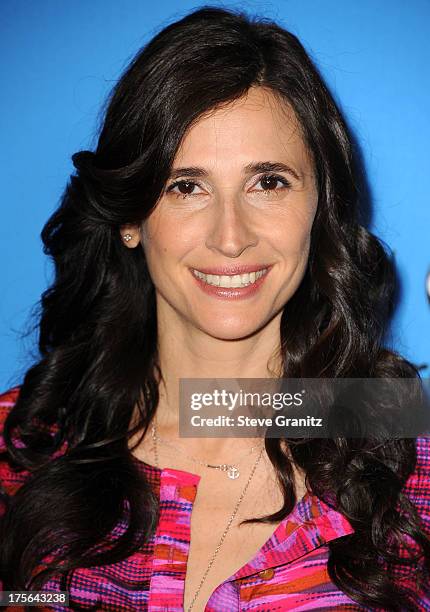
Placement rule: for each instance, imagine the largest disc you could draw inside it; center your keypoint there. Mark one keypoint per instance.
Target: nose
(231, 232)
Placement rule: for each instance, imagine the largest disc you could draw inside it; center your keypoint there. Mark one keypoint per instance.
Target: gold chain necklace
(231, 469)
(230, 520)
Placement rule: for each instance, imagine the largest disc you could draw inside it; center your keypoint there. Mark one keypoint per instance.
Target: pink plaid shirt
(289, 572)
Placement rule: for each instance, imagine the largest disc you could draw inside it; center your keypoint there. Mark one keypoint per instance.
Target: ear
(130, 235)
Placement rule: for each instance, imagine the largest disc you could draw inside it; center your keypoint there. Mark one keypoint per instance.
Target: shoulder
(417, 490)
(7, 401)
(417, 486)
(10, 478)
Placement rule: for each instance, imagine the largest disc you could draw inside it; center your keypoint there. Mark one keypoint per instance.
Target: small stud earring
(127, 237)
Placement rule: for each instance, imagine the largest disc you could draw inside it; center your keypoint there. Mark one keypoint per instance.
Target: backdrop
(60, 59)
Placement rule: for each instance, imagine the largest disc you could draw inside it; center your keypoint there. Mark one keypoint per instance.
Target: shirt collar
(311, 524)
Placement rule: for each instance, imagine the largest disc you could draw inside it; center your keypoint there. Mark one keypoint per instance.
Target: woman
(221, 154)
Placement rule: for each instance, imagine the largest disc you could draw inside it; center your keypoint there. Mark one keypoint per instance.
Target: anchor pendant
(233, 472)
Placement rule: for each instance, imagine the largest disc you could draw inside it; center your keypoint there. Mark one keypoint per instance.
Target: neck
(188, 352)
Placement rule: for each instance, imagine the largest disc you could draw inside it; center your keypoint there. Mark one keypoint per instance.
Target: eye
(269, 183)
(185, 188)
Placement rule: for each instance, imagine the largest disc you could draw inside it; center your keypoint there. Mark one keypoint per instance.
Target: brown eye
(184, 188)
(269, 182)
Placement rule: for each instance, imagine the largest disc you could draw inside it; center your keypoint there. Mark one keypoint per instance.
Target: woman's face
(241, 193)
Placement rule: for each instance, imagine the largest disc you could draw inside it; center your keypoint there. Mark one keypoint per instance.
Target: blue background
(60, 59)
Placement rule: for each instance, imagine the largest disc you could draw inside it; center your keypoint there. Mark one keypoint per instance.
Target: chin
(232, 329)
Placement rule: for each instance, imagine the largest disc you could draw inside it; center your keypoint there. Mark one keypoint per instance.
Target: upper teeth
(238, 280)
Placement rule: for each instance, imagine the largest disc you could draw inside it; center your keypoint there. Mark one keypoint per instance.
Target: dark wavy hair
(98, 327)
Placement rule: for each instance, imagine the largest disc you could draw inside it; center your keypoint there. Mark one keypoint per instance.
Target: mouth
(228, 281)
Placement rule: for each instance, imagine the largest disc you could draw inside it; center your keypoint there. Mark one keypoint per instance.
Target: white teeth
(238, 280)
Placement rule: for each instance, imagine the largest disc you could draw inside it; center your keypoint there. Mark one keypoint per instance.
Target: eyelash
(286, 185)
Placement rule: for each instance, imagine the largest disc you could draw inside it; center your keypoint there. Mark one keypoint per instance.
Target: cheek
(156, 237)
(166, 243)
(291, 235)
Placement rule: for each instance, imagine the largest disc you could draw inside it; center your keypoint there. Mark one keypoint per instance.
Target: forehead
(257, 126)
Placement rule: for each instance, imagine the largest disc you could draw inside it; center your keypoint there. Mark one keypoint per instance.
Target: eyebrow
(252, 168)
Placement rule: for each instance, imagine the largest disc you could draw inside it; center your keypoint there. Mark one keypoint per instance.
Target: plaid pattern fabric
(288, 573)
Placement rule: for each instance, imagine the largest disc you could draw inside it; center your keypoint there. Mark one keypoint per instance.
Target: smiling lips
(230, 280)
